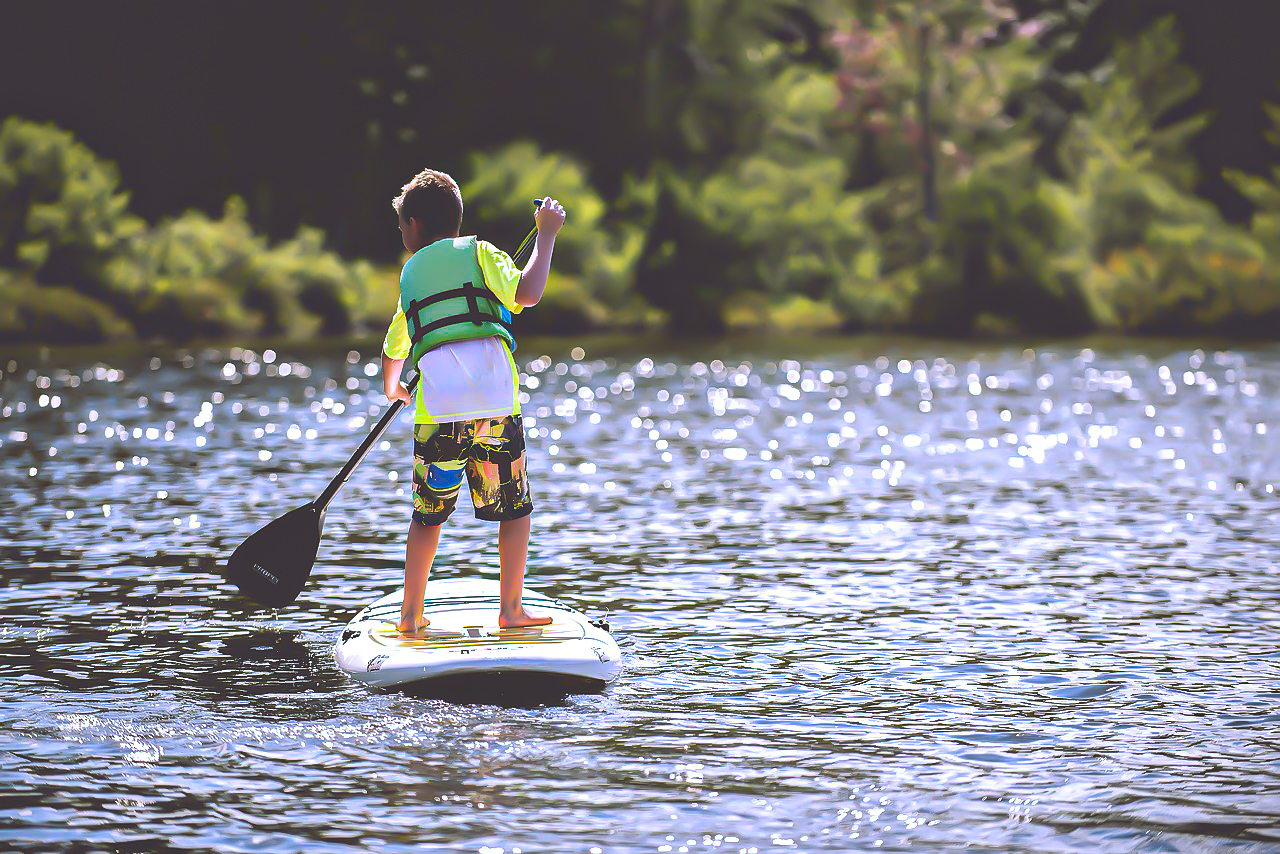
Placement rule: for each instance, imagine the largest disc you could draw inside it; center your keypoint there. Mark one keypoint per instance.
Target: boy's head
(430, 209)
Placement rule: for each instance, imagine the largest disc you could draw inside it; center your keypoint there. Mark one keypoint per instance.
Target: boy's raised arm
(533, 279)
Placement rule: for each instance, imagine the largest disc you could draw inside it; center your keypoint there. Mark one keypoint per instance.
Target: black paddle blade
(272, 566)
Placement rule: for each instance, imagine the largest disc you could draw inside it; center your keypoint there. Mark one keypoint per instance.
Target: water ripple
(872, 594)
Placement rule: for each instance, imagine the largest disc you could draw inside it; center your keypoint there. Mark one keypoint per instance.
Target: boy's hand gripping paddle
(528, 238)
(273, 565)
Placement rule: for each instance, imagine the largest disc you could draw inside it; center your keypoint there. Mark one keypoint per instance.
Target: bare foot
(521, 619)
(416, 630)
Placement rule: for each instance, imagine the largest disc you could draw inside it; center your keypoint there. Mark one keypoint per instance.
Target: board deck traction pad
(385, 633)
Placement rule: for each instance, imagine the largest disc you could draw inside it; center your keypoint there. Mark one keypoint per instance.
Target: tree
(925, 87)
(1228, 45)
(61, 210)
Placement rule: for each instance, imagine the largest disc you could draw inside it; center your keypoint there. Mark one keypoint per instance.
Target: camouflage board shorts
(488, 451)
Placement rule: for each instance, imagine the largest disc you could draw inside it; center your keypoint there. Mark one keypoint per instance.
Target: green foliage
(54, 314)
(300, 274)
(961, 222)
(1166, 262)
(214, 277)
(1196, 279)
(997, 254)
(171, 280)
(1159, 259)
(754, 243)
(597, 252)
(61, 214)
(1130, 178)
(566, 307)
(710, 66)
(62, 221)
(805, 232)
(750, 312)
(1265, 195)
(840, 164)
(924, 80)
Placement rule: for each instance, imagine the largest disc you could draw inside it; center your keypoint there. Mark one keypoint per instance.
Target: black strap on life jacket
(473, 314)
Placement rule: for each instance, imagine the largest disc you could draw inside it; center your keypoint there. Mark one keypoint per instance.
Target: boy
(457, 295)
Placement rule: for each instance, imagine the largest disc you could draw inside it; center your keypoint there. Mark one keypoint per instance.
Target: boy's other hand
(550, 216)
(399, 392)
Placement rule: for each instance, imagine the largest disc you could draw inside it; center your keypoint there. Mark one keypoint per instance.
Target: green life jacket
(444, 298)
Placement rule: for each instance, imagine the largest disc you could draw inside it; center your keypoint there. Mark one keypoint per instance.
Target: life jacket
(444, 298)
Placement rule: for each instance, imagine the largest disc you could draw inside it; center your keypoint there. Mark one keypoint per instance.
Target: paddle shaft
(361, 452)
(385, 421)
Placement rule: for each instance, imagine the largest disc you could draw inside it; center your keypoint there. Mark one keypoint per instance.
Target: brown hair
(433, 199)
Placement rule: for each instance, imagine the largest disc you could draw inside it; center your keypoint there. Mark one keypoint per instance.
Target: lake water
(871, 594)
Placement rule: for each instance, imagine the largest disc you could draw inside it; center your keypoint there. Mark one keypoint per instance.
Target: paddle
(272, 566)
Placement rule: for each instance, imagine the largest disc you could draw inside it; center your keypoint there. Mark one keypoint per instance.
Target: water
(872, 595)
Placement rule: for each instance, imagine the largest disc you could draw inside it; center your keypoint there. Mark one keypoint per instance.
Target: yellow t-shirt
(464, 380)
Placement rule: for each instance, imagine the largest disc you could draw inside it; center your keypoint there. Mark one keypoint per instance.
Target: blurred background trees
(943, 166)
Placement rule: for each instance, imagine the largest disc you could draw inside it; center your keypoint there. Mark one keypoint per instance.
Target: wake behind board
(464, 641)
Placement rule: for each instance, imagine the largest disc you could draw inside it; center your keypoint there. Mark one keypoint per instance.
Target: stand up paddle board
(464, 640)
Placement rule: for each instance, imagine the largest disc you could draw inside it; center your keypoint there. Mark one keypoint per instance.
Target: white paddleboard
(464, 640)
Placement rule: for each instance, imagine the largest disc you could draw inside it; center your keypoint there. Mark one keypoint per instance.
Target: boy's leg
(419, 555)
(438, 471)
(500, 492)
(513, 552)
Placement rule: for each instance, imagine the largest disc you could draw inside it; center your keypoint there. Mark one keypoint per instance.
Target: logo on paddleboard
(375, 663)
(263, 572)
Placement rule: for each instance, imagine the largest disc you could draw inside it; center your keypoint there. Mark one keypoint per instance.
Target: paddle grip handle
(361, 452)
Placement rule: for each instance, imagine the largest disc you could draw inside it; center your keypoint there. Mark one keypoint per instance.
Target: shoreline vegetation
(881, 192)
